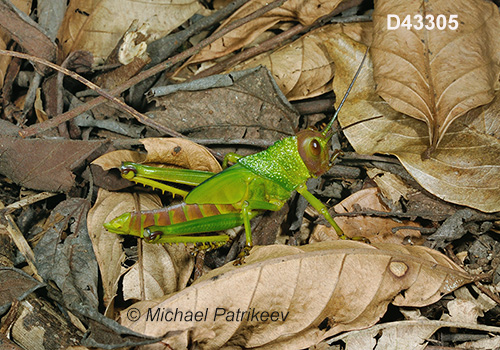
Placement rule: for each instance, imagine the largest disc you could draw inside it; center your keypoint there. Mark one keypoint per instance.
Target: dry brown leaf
(463, 311)
(107, 247)
(172, 151)
(304, 68)
(50, 164)
(482, 301)
(164, 269)
(376, 229)
(25, 6)
(89, 25)
(437, 75)
(180, 152)
(392, 187)
(304, 11)
(343, 285)
(465, 169)
(41, 115)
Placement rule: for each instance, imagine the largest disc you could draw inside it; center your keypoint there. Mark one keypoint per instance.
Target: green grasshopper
(254, 184)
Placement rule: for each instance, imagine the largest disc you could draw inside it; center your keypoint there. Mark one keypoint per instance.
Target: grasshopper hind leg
(192, 232)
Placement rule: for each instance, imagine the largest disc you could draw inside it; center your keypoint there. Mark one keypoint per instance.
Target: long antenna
(328, 127)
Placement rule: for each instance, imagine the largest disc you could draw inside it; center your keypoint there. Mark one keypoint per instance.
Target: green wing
(226, 187)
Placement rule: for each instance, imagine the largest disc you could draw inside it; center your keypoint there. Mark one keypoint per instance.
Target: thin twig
(423, 230)
(324, 105)
(238, 142)
(51, 123)
(366, 157)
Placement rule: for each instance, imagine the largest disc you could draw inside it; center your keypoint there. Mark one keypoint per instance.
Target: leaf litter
(251, 107)
(283, 280)
(304, 12)
(321, 289)
(304, 69)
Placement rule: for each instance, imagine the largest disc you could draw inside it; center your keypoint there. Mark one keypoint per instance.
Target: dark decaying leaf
(453, 228)
(65, 256)
(44, 164)
(15, 284)
(253, 107)
(43, 323)
(27, 33)
(105, 333)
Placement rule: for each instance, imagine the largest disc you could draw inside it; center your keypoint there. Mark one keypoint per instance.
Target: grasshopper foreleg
(321, 208)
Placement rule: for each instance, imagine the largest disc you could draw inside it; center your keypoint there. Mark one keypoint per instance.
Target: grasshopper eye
(315, 147)
(313, 151)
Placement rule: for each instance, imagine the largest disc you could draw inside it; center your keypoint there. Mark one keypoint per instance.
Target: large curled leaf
(465, 169)
(436, 75)
(161, 271)
(294, 297)
(108, 246)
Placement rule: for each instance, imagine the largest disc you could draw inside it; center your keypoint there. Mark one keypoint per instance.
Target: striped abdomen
(176, 214)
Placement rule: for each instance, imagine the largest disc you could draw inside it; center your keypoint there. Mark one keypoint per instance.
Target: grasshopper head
(313, 148)
(119, 225)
